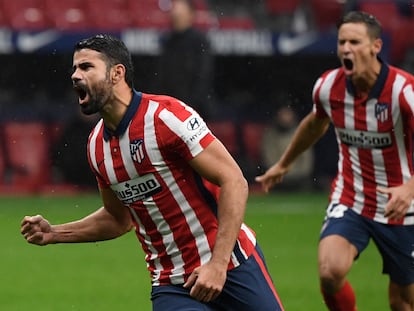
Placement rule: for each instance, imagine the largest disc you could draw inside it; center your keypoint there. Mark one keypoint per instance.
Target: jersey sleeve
(188, 134)
(92, 160)
(408, 103)
(317, 105)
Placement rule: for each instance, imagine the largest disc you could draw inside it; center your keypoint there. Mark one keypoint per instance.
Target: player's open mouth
(349, 65)
(81, 90)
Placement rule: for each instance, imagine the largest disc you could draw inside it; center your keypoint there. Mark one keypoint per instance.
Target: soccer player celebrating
(161, 170)
(371, 105)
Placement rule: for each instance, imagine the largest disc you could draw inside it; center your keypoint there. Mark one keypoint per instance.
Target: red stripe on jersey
(151, 232)
(117, 161)
(99, 154)
(205, 141)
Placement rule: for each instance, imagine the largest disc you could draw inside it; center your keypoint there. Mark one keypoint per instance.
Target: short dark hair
(373, 25)
(114, 51)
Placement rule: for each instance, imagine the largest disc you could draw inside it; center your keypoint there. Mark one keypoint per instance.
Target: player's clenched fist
(36, 229)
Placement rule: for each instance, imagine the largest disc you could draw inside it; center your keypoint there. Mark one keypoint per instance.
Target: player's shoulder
(330, 76)
(165, 100)
(170, 103)
(336, 72)
(396, 70)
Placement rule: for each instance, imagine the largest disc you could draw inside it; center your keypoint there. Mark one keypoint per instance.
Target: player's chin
(88, 108)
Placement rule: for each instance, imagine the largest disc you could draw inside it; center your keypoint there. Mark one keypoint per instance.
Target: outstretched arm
(108, 222)
(309, 131)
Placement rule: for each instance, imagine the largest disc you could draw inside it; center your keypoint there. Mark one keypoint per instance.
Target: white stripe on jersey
(409, 96)
(92, 145)
(399, 129)
(124, 146)
(109, 167)
(201, 241)
(378, 161)
(167, 237)
(398, 126)
(324, 95)
(143, 233)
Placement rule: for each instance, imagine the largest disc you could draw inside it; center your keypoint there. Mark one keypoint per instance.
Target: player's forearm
(309, 131)
(232, 205)
(98, 226)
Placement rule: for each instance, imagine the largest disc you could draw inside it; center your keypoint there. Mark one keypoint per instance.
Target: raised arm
(108, 222)
(309, 131)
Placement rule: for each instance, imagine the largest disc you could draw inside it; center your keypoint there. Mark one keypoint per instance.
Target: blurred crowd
(271, 93)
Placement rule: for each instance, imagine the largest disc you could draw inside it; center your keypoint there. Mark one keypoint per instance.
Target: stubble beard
(99, 96)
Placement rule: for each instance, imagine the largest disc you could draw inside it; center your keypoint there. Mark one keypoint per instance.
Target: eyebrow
(84, 64)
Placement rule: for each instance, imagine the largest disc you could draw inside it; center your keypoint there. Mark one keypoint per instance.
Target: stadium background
(255, 57)
(251, 65)
(261, 47)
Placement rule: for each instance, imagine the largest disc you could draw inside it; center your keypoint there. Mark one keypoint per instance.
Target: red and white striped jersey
(374, 136)
(145, 162)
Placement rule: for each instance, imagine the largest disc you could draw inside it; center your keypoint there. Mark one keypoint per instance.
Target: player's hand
(274, 175)
(207, 281)
(400, 199)
(36, 230)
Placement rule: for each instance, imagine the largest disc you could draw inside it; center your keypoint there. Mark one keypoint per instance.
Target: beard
(99, 96)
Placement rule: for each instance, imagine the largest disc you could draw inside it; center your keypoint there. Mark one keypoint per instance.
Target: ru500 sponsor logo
(137, 189)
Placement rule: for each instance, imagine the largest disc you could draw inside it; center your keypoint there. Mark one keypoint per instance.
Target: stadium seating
(279, 7)
(252, 133)
(26, 147)
(3, 19)
(227, 132)
(326, 13)
(385, 10)
(25, 14)
(68, 15)
(393, 23)
(147, 14)
(108, 15)
(236, 22)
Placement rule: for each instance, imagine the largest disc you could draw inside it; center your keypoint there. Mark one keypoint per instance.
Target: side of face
(356, 50)
(90, 80)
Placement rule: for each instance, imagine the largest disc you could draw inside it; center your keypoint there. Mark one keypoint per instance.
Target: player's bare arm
(108, 222)
(400, 199)
(216, 165)
(309, 131)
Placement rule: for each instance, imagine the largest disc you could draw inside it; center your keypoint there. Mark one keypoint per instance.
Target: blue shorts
(248, 288)
(394, 242)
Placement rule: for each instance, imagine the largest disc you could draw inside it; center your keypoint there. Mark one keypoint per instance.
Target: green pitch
(112, 275)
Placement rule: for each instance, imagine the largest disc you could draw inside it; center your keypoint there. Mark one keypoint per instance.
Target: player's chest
(362, 114)
(126, 157)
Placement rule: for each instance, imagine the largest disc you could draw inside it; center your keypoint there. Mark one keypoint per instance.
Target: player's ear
(377, 46)
(117, 73)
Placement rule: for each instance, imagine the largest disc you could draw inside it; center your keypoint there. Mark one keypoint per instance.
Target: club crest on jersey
(381, 112)
(136, 148)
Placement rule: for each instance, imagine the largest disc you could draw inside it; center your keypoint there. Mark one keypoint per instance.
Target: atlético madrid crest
(381, 112)
(136, 148)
